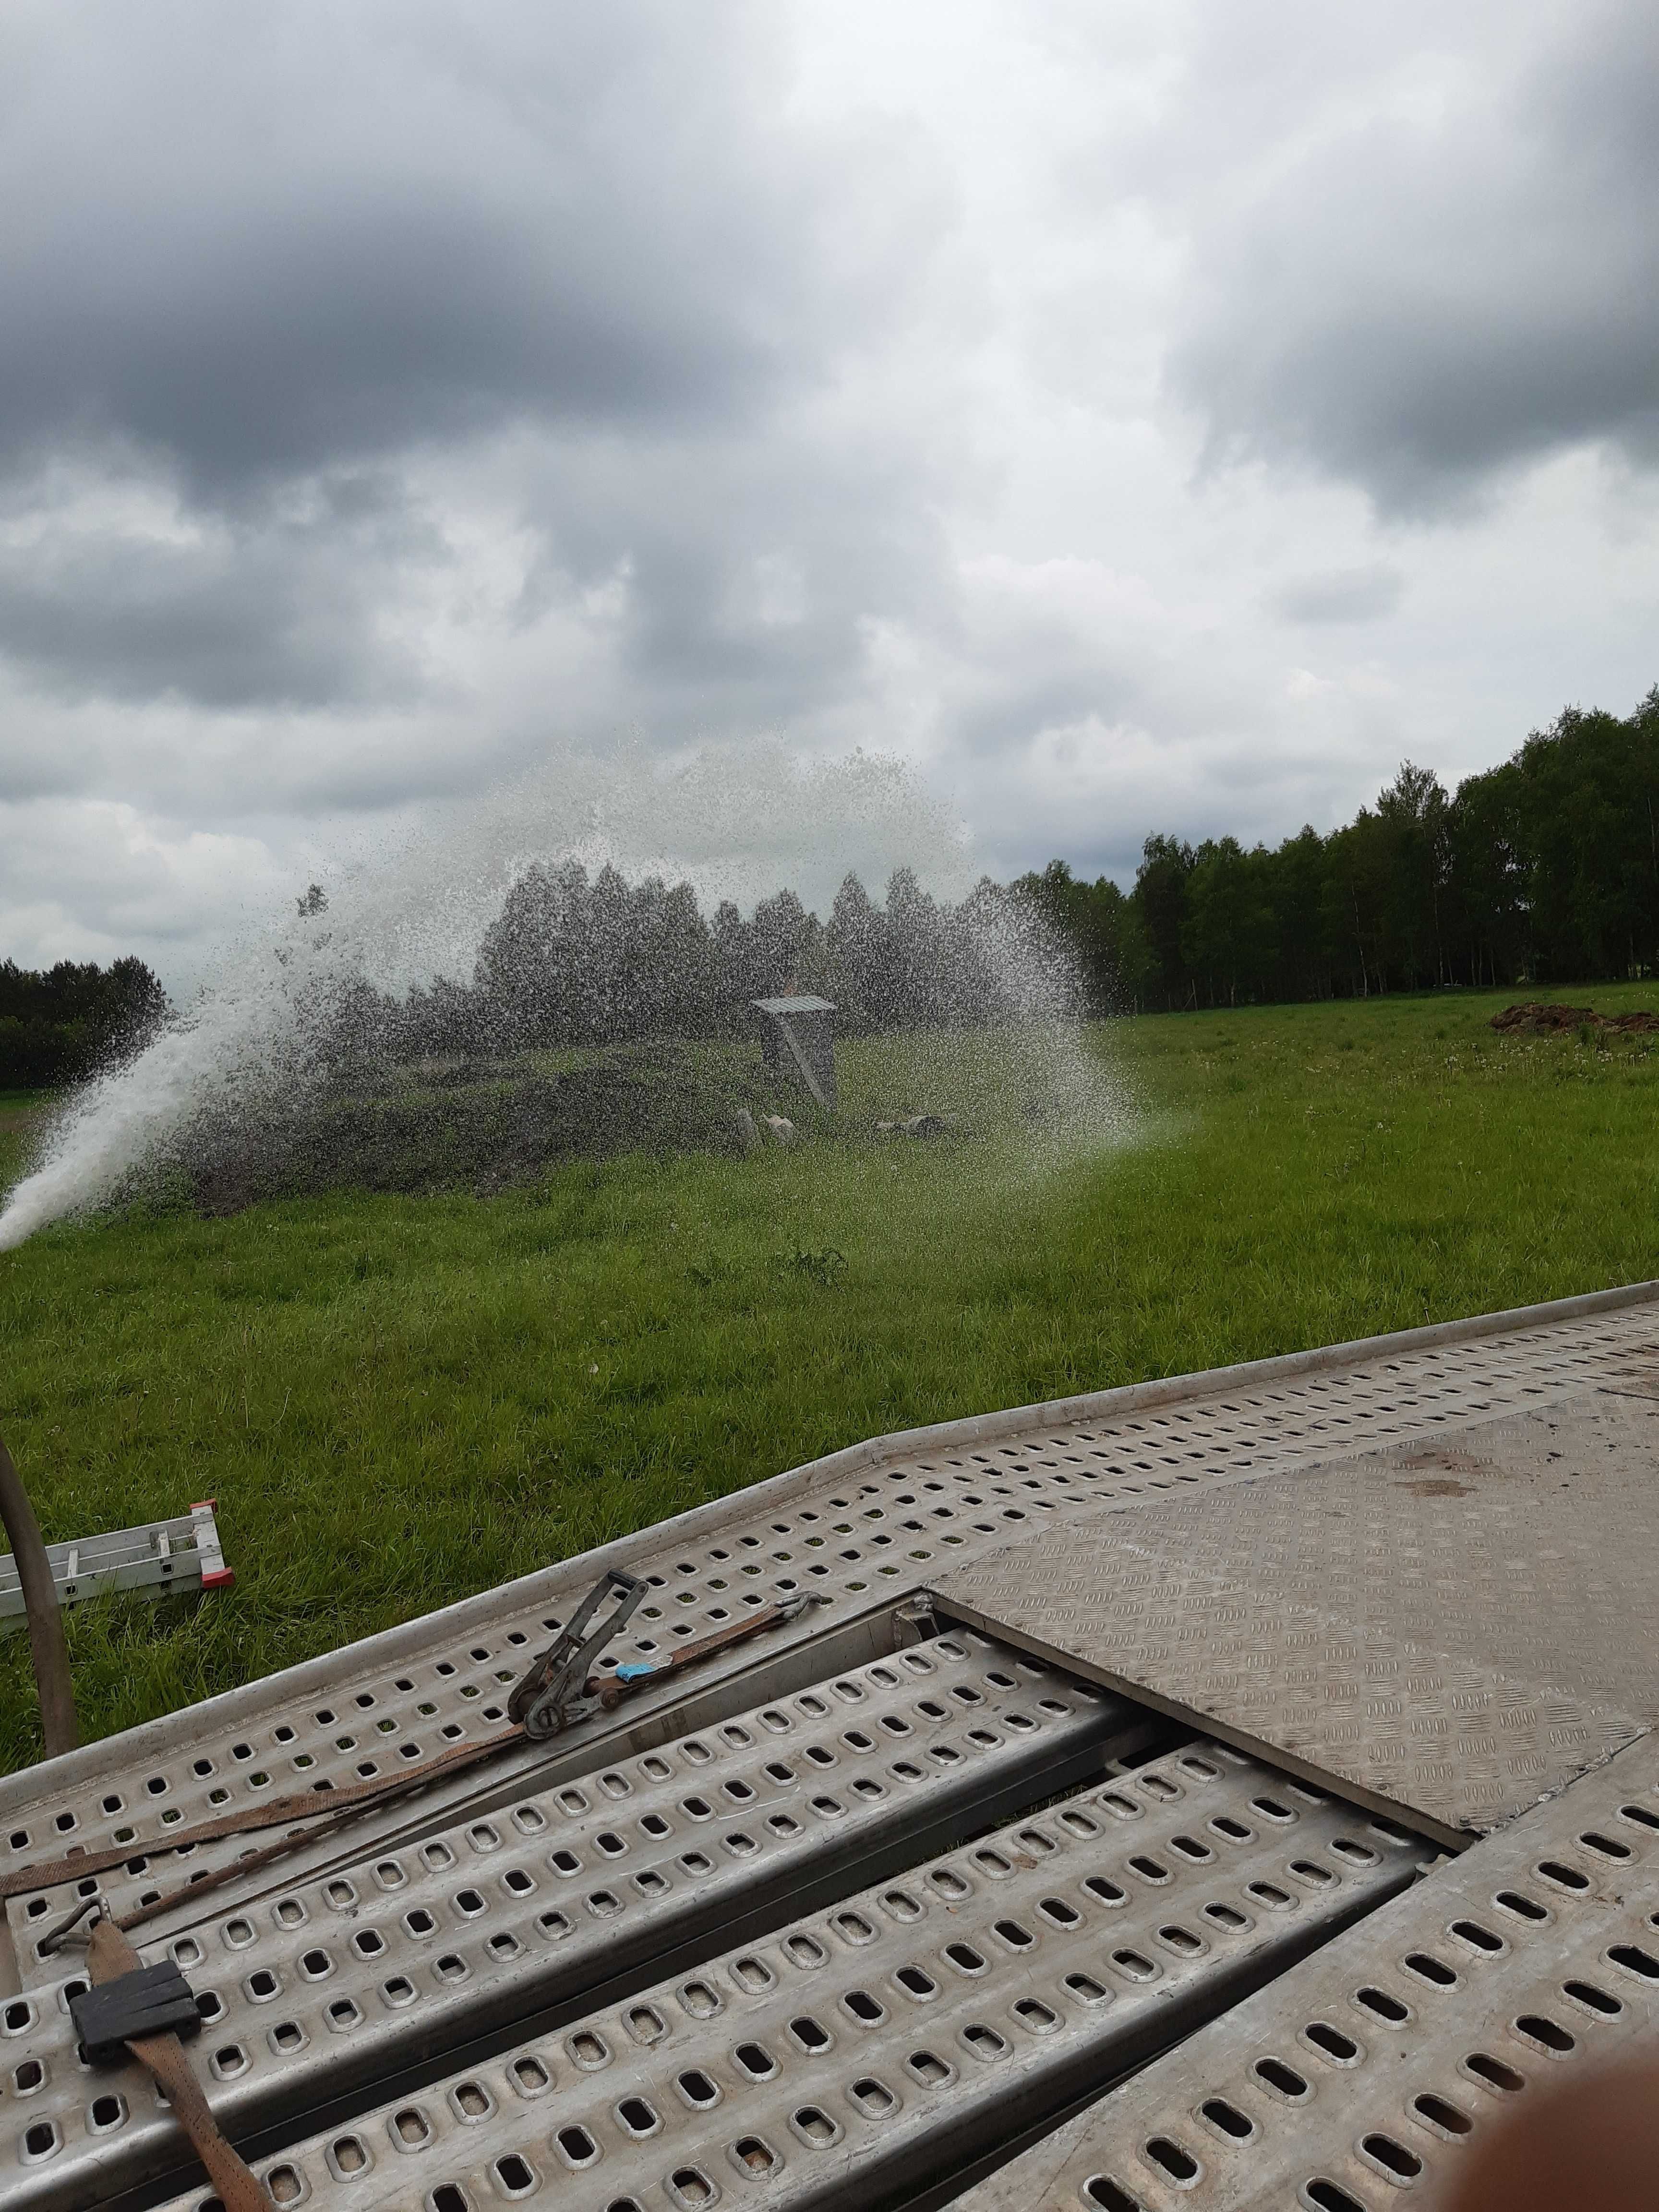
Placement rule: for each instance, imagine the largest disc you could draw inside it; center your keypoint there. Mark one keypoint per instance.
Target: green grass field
(399, 1401)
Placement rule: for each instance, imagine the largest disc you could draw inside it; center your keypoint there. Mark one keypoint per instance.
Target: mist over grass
(399, 1401)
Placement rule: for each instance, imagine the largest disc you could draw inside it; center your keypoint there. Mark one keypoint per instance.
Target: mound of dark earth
(1539, 1020)
(470, 1124)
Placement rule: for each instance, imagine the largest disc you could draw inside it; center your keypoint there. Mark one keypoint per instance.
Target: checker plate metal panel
(336, 1985)
(1450, 1744)
(880, 2043)
(1375, 2065)
(1530, 1544)
(858, 1537)
(1446, 1628)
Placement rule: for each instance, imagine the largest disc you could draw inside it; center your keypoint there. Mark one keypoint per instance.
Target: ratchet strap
(300, 1805)
(553, 1693)
(115, 1970)
(638, 1675)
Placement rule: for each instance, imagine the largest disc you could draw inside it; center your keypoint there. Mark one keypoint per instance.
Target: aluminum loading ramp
(890, 1905)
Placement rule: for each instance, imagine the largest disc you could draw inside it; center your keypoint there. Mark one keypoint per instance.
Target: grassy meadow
(399, 1399)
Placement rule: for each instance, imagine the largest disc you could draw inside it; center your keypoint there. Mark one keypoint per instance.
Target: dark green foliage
(60, 1023)
(825, 1265)
(578, 961)
(1544, 869)
(1107, 933)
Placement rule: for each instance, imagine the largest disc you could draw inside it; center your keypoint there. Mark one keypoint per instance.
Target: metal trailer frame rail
(342, 1985)
(158, 1559)
(1373, 2067)
(871, 2048)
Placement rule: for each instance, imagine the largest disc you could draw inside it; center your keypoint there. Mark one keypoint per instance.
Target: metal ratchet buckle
(552, 1694)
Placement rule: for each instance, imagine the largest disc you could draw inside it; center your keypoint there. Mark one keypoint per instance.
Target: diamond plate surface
(1529, 1545)
(867, 2048)
(1447, 1743)
(1363, 2076)
(1446, 1626)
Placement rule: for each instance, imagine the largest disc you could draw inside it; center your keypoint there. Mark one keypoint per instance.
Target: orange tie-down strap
(324, 1802)
(303, 1805)
(109, 1955)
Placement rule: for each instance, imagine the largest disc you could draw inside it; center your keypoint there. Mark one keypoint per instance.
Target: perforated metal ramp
(1410, 1576)
(347, 1980)
(1374, 2067)
(861, 2052)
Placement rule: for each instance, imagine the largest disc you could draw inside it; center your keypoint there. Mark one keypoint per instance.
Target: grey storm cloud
(1014, 700)
(255, 608)
(1417, 302)
(751, 562)
(264, 242)
(401, 397)
(318, 247)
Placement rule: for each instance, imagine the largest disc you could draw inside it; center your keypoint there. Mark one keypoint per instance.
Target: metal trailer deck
(1223, 1790)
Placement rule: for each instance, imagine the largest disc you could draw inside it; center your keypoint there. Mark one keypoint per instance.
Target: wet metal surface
(862, 1536)
(1436, 1738)
(1447, 1628)
(1415, 1574)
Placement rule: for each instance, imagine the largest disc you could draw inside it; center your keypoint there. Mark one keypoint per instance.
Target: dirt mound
(476, 1124)
(1536, 1019)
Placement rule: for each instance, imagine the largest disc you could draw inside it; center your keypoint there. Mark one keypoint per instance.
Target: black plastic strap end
(150, 2001)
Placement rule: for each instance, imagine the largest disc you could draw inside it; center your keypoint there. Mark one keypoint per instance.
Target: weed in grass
(825, 1265)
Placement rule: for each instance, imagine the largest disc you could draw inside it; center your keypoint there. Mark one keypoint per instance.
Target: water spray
(579, 857)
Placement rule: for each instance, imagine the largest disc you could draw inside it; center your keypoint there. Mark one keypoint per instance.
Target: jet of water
(735, 822)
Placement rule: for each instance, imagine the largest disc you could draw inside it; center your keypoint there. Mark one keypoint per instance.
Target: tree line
(574, 959)
(61, 1023)
(1542, 869)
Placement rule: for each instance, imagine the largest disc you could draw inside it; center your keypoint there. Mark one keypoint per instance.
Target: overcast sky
(1139, 416)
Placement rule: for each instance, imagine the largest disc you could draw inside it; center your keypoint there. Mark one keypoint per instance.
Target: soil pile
(464, 1123)
(1539, 1020)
